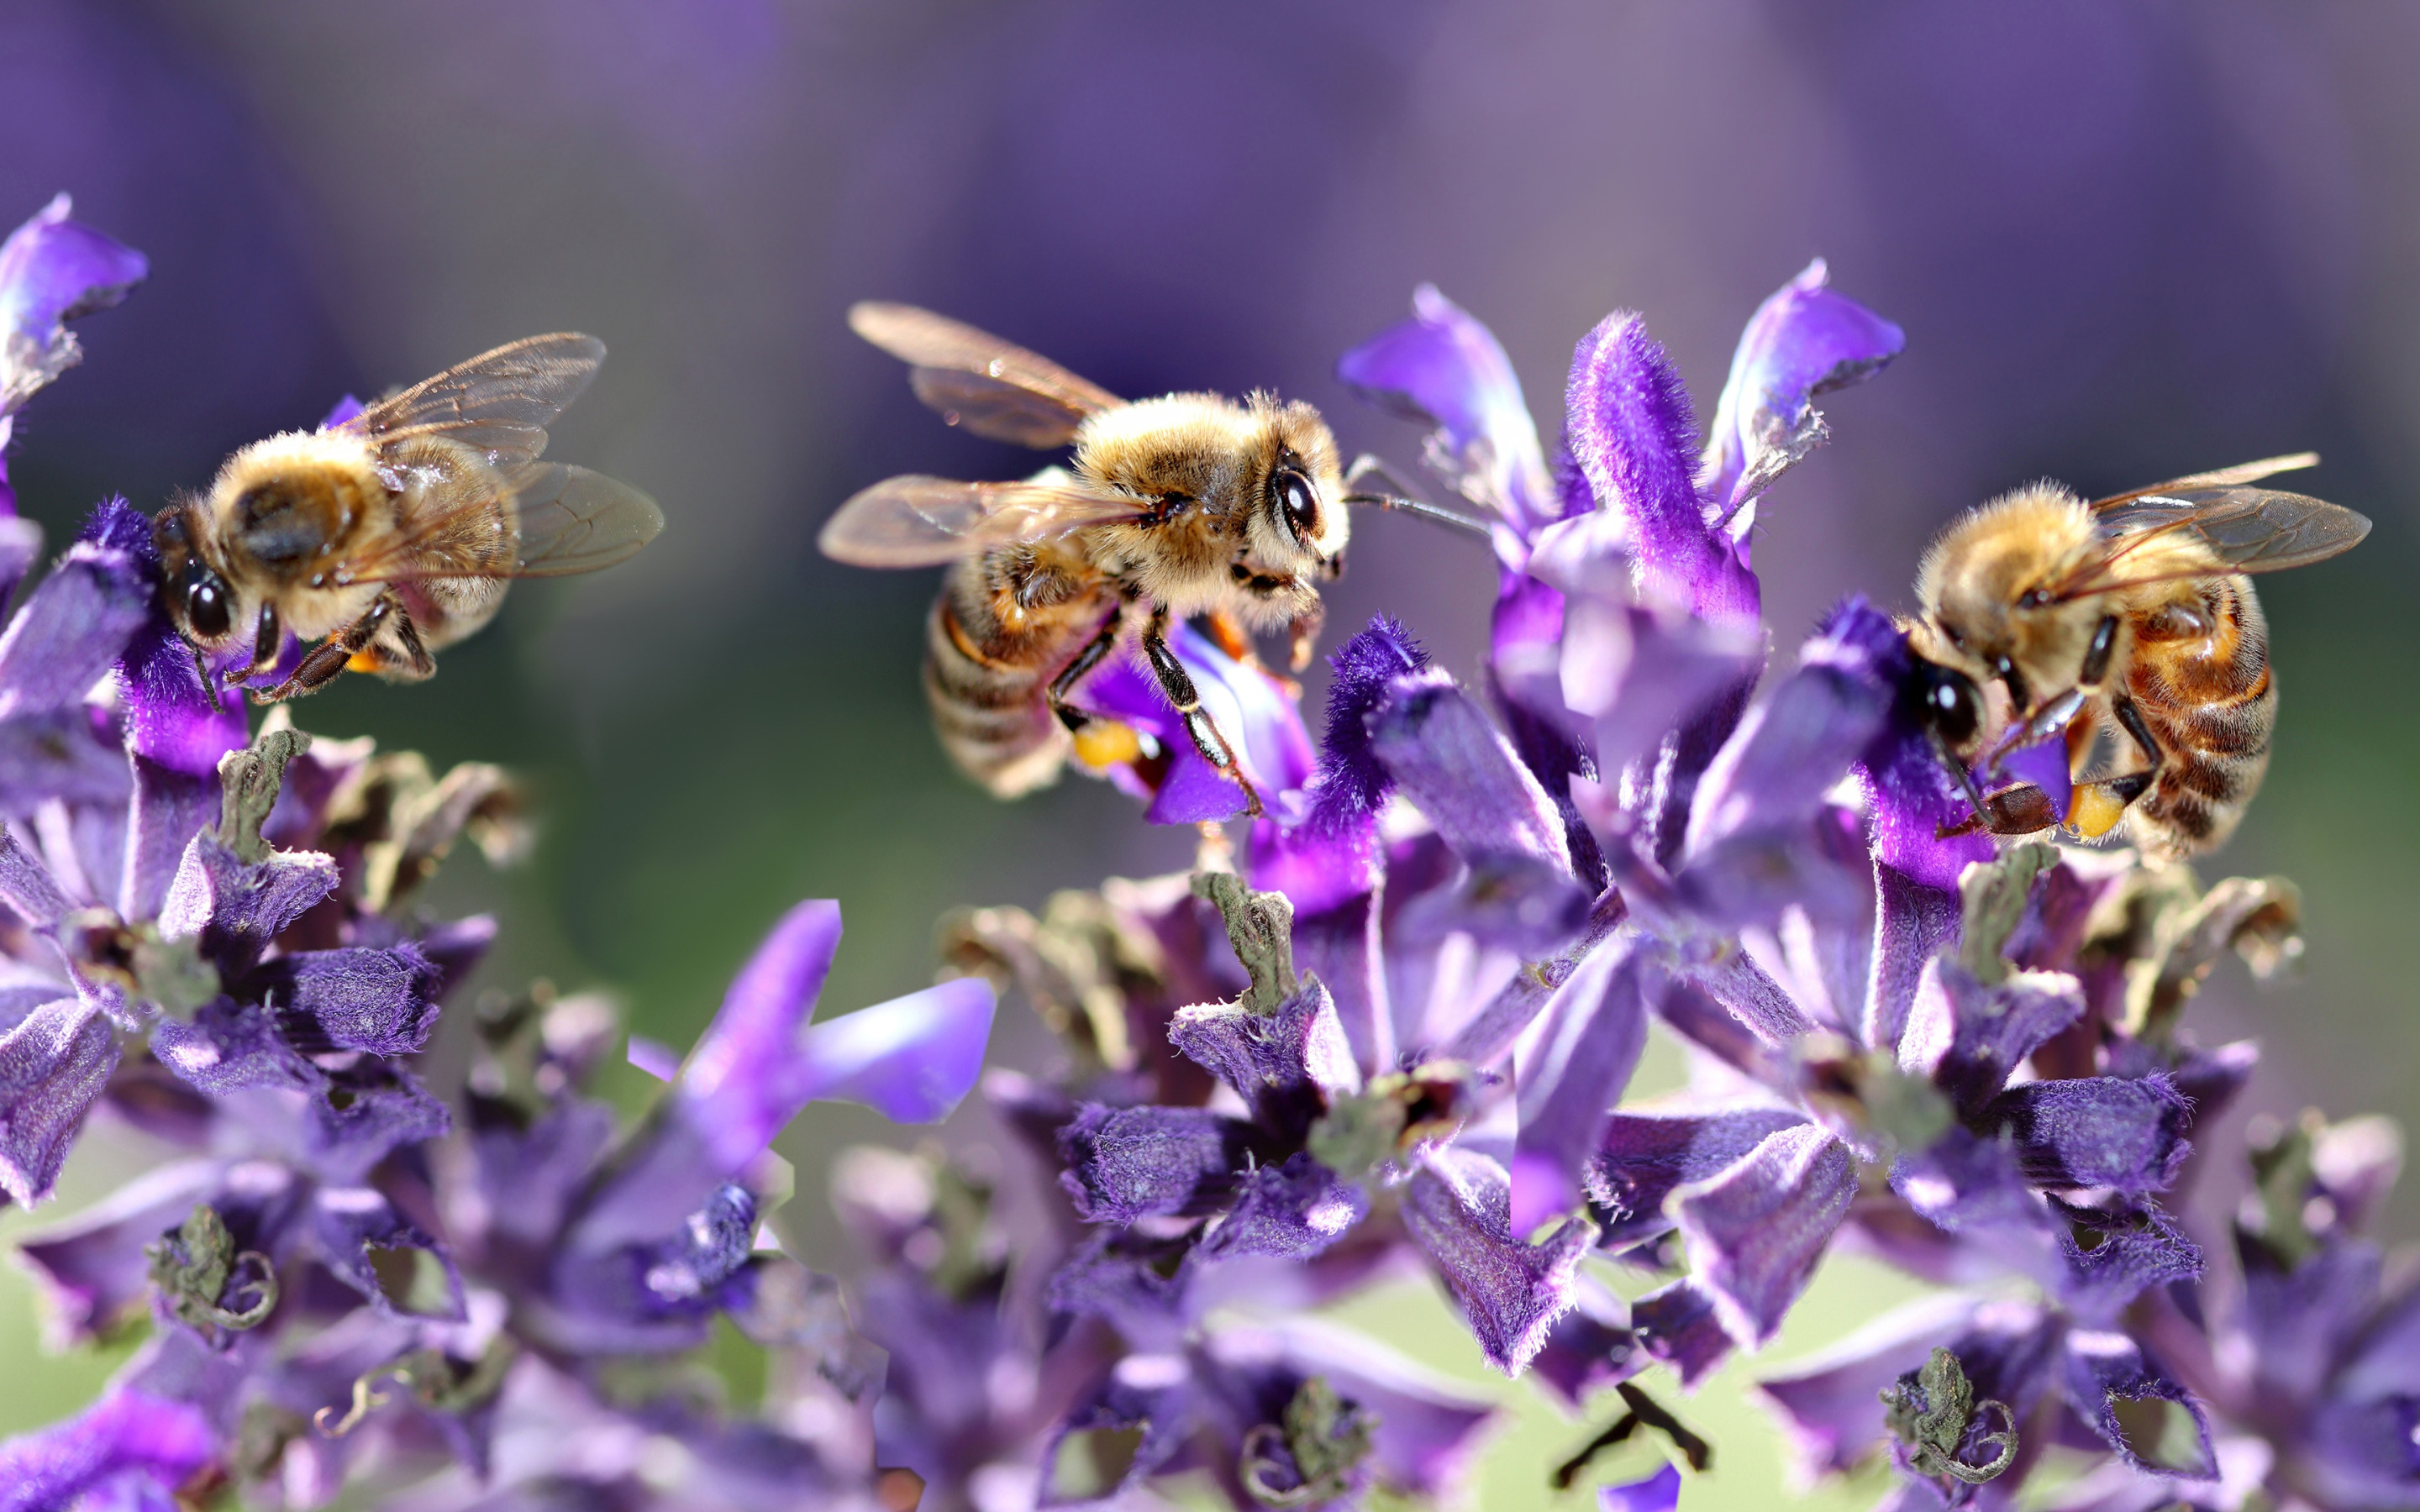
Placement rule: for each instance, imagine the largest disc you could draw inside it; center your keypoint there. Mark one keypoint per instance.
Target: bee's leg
(1069, 676)
(1227, 632)
(2018, 811)
(2097, 806)
(1177, 684)
(326, 659)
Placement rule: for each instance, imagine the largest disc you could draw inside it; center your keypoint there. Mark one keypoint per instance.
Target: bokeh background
(2126, 241)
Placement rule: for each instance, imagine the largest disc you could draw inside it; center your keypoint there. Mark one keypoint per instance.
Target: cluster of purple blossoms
(361, 1275)
(1393, 1042)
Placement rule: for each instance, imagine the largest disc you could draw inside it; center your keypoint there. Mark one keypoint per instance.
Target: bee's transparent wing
(917, 521)
(975, 379)
(2242, 473)
(2242, 529)
(497, 403)
(561, 520)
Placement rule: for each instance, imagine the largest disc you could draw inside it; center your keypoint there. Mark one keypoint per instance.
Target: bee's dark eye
(1298, 504)
(207, 613)
(1946, 702)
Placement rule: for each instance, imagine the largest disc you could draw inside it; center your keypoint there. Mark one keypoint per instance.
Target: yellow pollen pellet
(1107, 743)
(2094, 812)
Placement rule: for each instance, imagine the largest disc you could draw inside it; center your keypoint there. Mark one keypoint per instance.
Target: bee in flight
(2131, 616)
(394, 533)
(1184, 505)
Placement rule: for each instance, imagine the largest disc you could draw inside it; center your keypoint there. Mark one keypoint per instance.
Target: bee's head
(194, 591)
(1989, 587)
(1299, 520)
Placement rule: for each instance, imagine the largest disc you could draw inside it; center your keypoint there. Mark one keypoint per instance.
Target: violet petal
(92, 1268)
(1444, 368)
(1292, 1211)
(236, 908)
(1569, 1070)
(1803, 341)
(1831, 1404)
(71, 631)
(348, 1222)
(1591, 1346)
(1961, 1181)
(1756, 1231)
(1659, 1492)
(1458, 1207)
(1124, 1164)
(53, 269)
(1910, 795)
(1284, 1064)
(53, 1065)
(1332, 855)
(2126, 1133)
(129, 1444)
(741, 1082)
(383, 1109)
(1456, 768)
(1642, 1158)
(2113, 1258)
(354, 998)
(911, 1059)
(1912, 921)
(1677, 1324)
(228, 1046)
(1634, 444)
(2107, 1370)
(168, 809)
(172, 717)
(1968, 1037)
(27, 886)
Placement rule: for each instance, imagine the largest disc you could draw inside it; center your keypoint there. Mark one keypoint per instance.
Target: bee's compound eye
(1947, 702)
(207, 613)
(1298, 502)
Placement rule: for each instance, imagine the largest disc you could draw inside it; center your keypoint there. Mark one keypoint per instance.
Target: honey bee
(395, 533)
(1187, 504)
(2133, 616)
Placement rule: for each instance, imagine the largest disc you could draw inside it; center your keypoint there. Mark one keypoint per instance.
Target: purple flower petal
(1569, 1069)
(1634, 449)
(2113, 1258)
(1292, 1211)
(172, 717)
(131, 1447)
(1429, 1427)
(2121, 1133)
(1284, 1064)
(71, 631)
(1968, 1037)
(52, 1064)
(1444, 368)
(229, 1046)
(1961, 1181)
(20, 540)
(168, 809)
(1642, 1158)
(1831, 1405)
(741, 1081)
(1751, 995)
(1913, 797)
(52, 270)
(348, 1222)
(27, 886)
(1659, 1492)
(1332, 855)
(2107, 1370)
(911, 1060)
(377, 1108)
(1345, 948)
(1126, 1288)
(1521, 903)
(1152, 1393)
(1123, 1164)
(2042, 764)
(1756, 1231)
(236, 908)
(1591, 1346)
(654, 1057)
(1458, 1207)
(688, 1272)
(1677, 1324)
(379, 1001)
(1912, 921)
(1250, 707)
(92, 1268)
(1803, 341)
(1456, 768)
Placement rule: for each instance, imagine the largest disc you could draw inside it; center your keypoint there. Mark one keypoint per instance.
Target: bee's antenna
(1419, 510)
(1393, 495)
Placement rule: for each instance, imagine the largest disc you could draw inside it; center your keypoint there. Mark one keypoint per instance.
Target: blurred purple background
(2125, 242)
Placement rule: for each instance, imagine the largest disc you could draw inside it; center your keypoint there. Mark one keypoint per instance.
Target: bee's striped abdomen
(2211, 704)
(987, 681)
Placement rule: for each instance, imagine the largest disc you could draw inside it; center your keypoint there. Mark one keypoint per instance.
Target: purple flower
(51, 270)
(1255, 710)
